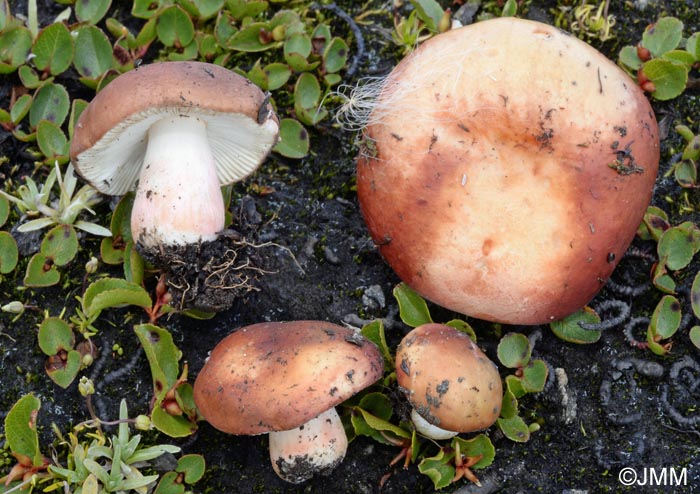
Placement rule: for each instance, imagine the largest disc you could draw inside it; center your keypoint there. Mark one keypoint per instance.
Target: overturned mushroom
(285, 378)
(452, 386)
(506, 168)
(175, 132)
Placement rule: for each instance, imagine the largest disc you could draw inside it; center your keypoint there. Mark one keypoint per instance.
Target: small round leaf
(294, 139)
(53, 49)
(514, 350)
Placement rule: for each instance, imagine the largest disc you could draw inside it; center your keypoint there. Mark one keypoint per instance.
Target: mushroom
(285, 378)
(175, 131)
(451, 384)
(522, 177)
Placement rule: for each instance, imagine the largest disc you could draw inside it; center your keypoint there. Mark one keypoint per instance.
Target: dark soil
(606, 407)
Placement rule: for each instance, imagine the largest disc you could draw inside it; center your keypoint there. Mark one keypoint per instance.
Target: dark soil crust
(606, 407)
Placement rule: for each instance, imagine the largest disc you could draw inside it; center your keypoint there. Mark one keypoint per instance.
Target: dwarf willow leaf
(55, 335)
(678, 245)
(438, 468)
(20, 428)
(569, 328)
(91, 11)
(695, 336)
(60, 244)
(15, 45)
(412, 308)
(695, 295)
(175, 28)
(666, 318)
(662, 36)
(53, 49)
(52, 103)
(9, 253)
(113, 292)
(669, 77)
(514, 350)
(93, 52)
(514, 428)
(192, 466)
(479, 445)
(294, 139)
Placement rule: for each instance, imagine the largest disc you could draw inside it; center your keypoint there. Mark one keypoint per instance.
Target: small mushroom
(175, 132)
(451, 384)
(285, 378)
(506, 168)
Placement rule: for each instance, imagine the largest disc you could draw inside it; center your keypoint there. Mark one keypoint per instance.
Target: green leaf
(509, 405)
(276, 75)
(678, 245)
(52, 142)
(307, 100)
(655, 222)
(53, 49)
(52, 103)
(462, 326)
(208, 8)
(113, 292)
(294, 139)
(695, 336)
(20, 428)
(173, 426)
(430, 12)
(439, 468)
(145, 9)
(695, 295)
(377, 404)
(193, 466)
(20, 108)
(374, 332)
(514, 350)
(169, 484)
(412, 308)
(514, 429)
(662, 36)
(335, 55)
(29, 77)
(248, 39)
(692, 46)
(670, 78)
(515, 386)
(64, 373)
(629, 58)
(41, 272)
(134, 265)
(661, 279)
(568, 329)
(15, 45)
(163, 357)
(60, 244)
(93, 52)
(666, 318)
(91, 11)
(680, 56)
(55, 335)
(175, 27)
(479, 445)
(686, 173)
(299, 43)
(380, 424)
(534, 376)
(9, 254)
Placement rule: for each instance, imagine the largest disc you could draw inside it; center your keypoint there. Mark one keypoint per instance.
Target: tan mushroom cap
(508, 167)
(110, 137)
(449, 381)
(277, 376)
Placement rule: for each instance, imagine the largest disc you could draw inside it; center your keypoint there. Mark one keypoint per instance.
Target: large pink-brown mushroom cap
(507, 169)
(276, 376)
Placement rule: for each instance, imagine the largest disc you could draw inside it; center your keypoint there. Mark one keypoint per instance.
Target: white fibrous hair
(374, 99)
